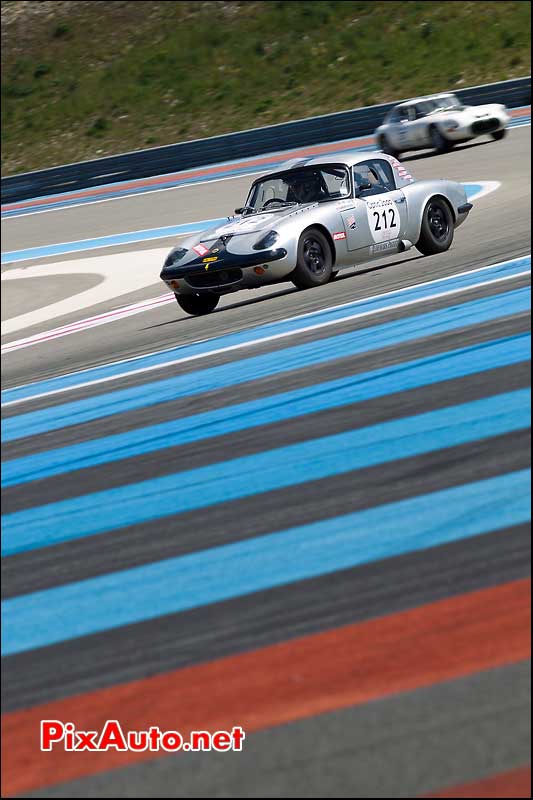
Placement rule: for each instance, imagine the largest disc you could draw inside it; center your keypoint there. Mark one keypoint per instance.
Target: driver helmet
(305, 188)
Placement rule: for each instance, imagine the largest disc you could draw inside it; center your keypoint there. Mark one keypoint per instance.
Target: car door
(396, 131)
(420, 125)
(392, 127)
(405, 138)
(378, 220)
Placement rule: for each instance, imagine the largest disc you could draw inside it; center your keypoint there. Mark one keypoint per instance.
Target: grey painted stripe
(264, 618)
(265, 347)
(243, 519)
(399, 747)
(257, 439)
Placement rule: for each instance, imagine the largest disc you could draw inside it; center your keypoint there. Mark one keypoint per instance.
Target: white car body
(438, 121)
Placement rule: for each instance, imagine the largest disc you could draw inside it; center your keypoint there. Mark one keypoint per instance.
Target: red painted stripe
(88, 322)
(516, 783)
(285, 682)
(520, 112)
(161, 180)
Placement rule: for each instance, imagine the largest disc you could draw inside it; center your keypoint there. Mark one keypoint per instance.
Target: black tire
(334, 275)
(436, 232)
(387, 148)
(197, 304)
(438, 141)
(498, 135)
(314, 260)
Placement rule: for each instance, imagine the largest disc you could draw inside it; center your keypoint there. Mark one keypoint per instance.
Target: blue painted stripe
(265, 410)
(210, 576)
(83, 245)
(517, 122)
(260, 332)
(274, 363)
(108, 241)
(63, 202)
(104, 511)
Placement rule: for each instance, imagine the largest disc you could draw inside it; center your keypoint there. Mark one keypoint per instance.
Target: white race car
(438, 121)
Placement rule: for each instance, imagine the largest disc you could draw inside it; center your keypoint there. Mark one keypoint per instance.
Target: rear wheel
(497, 135)
(197, 304)
(314, 261)
(438, 141)
(387, 148)
(436, 232)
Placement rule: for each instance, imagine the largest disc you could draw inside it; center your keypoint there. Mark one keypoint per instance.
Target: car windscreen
(426, 107)
(448, 102)
(301, 185)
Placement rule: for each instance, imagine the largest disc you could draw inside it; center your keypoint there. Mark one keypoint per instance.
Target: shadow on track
(431, 153)
(292, 290)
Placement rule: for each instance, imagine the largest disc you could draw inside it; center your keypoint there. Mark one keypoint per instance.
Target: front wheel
(436, 231)
(314, 261)
(197, 304)
(497, 135)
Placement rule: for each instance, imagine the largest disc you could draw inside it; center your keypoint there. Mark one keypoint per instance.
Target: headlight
(176, 254)
(267, 240)
(451, 124)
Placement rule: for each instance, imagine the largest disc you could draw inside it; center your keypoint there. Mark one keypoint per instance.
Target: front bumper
(490, 125)
(229, 272)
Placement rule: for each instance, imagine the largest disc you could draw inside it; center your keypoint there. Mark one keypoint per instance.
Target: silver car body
(409, 125)
(358, 228)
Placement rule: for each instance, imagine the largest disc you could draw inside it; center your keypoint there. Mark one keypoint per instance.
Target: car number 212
(383, 220)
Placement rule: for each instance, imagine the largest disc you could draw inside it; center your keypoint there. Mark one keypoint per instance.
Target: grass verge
(86, 79)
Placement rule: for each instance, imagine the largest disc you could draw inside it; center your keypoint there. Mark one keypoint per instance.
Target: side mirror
(239, 210)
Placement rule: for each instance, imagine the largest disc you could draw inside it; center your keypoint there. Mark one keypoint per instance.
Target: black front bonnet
(224, 260)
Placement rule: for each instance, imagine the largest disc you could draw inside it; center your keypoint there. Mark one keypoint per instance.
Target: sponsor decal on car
(200, 249)
(344, 204)
(384, 247)
(401, 170)
(211, 258)
(350, 221)
(339, 235)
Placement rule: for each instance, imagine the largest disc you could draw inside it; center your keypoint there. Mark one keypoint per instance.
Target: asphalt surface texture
(320, 537)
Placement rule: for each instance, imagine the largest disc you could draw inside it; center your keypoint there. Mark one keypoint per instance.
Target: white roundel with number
(383, 219)
(243, 225)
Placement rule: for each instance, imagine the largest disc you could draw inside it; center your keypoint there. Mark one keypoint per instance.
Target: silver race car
(438, 121)
(311, 219)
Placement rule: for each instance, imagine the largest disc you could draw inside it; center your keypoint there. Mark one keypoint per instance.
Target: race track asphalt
(321, 536)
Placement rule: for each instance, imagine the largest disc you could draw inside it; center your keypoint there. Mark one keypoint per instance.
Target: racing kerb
(200, 152)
